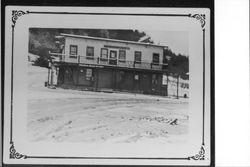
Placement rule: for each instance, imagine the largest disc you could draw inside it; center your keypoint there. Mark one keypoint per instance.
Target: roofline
(112, 40)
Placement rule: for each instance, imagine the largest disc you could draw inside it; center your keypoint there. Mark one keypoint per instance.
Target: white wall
(172, 87)
(147, 51)
(232, 112)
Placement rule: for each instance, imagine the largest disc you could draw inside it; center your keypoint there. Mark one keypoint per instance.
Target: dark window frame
(101, 55)
(136, 53)
(74, 54)
(92, 56)
(113, 61)
(122, 60)
(153, 60)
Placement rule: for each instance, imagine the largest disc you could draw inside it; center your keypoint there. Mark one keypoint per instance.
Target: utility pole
(167, 85)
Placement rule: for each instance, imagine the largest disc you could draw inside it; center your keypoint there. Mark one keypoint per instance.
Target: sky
(177, 41)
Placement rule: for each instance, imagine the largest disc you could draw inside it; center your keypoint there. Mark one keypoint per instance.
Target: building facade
(100, 64)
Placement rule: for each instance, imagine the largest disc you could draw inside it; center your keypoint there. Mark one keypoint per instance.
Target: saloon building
(101, 64)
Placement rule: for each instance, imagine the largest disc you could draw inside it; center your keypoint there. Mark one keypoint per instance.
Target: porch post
(48, 76)
(52, 73)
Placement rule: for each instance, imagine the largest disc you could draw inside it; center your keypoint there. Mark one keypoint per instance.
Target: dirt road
(82, 116)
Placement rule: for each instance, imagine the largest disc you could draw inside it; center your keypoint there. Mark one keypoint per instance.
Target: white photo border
(197, 17)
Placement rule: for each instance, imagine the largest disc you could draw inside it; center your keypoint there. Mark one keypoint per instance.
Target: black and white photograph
(107, 86)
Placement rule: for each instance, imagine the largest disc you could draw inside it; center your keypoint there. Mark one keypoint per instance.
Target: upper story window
(104, 53)
(137, 57)
(156, 58)
(122, 55)
(73, 50)
(90, 51)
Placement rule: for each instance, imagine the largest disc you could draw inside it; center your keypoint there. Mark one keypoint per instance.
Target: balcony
(57, 57)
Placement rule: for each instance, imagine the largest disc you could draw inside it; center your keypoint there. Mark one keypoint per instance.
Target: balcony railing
(107, 62)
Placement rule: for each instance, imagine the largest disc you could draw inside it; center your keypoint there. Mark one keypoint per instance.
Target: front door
(113, 57)
(145, 82)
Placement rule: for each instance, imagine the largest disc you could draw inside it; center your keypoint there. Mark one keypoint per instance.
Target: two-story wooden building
(108, 64)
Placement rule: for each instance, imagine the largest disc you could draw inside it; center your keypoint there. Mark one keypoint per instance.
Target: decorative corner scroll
(199, 17)
(200, 155)
(16, 14)
(14, 154)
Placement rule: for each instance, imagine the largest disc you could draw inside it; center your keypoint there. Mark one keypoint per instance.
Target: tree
(177, 64)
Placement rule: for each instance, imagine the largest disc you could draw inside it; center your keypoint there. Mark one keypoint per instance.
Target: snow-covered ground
(60, 115)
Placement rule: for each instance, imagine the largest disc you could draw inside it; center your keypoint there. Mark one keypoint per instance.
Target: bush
(44, 56)
(42, 61)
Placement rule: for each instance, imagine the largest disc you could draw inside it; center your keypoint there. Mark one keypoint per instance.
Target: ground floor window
(154, 79)
(68, 78)
(88, 74)
(122, 75)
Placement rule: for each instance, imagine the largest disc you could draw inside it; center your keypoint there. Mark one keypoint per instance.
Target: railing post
(78, 58)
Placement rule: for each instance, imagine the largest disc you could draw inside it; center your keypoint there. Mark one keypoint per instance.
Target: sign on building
(164, 79)
(88, 73)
